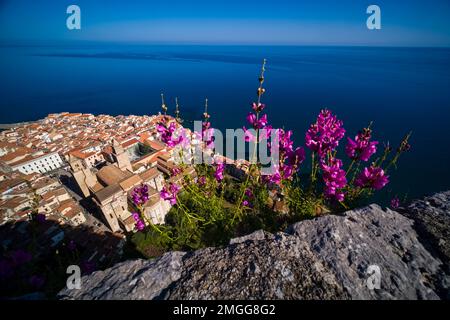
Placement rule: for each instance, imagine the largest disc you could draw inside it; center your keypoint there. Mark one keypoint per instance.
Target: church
(110, 184)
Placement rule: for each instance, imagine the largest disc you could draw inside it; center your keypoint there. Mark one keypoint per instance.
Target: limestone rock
(330, 257)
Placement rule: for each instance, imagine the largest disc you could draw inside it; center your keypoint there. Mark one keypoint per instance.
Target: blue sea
(399, 89)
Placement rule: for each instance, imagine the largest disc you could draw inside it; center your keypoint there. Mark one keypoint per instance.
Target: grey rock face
(325, 258)
(432, 221)
(130, 280)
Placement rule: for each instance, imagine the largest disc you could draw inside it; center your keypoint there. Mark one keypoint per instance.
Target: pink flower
(140, 195)
(246, 203)
(218, 174)
(372, 177)
(324, 135)
(170, 193)
(395, 203)
(296, 157)
(208, 135)
(361, 148)
(258, 107)
(257, 124)
(275, 177)
(251, 118)
(285, 142)
(265, 132)
(175, 171)
(248, 136)
(334, 178)
(139, 223)
(167, 134)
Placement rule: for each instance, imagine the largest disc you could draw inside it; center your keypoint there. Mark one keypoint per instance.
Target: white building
(39, 164)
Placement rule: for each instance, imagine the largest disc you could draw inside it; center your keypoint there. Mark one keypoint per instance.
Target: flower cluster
(140, 225)
(218, 174)
(167, 134)
(140, 195)
(175, 171)
(290, 158)
(255, 122)
(248, 198)
(208, 135)
(324, 135)
(334, 179)
(395, 203)
(170, 193)
(372, 177)
(361, 148)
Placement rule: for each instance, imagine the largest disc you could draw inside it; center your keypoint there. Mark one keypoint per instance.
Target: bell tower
(83, 176)
(121, 156)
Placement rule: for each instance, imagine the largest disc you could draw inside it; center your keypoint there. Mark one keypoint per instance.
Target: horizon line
(49, 43)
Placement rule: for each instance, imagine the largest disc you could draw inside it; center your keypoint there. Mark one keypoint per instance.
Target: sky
(318, 22)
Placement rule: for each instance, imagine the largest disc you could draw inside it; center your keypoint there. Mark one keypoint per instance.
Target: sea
(399, 89)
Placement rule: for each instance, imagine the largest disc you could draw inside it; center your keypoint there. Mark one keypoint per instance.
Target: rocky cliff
(330, 257)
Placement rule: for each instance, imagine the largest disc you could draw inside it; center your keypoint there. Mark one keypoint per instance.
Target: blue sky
(318, 22)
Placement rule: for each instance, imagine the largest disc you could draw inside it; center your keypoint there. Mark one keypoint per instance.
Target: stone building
(112, 185)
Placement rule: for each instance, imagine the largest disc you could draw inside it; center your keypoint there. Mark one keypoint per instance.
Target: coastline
(6, 126)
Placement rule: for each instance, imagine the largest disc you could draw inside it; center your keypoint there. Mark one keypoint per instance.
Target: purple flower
(372, 177)
(265, 132)
(139, 225)
(140, 195)
(296, 157)
(251, 118)
(285, 142)
(257, 124)
(176, 171)
(36, 281)
(206, 125)
(248, 135)
(218, 174)
(324, 135)
(395, 203)
(170, 193)
(201, 181)
(207, 135)
(275, 177)
(167, 134)
(248, 197)
(246, 203)
(258, 107)
(361, 148)
(290, 158)
(334, 178)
